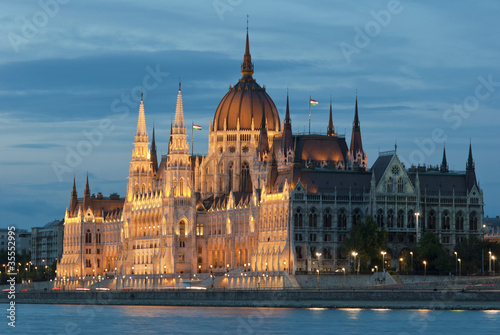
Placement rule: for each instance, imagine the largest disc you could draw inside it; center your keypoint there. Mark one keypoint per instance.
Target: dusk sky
(71, 73)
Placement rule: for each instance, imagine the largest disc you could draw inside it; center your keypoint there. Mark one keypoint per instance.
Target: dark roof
(432, 182)
(327, 180)
(320, 148)
(52, 224)
(380, 166)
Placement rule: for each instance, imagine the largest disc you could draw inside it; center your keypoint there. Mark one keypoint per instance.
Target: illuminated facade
(262, 198)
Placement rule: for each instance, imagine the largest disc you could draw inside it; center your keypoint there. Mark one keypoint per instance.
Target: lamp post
(146, 277)
(354, 254)
(493, 258)
(425, 269)
(489, 267)
(460, 267)
(417, 214)
(411, 254)
(401, 264)
(318, 254)
(383, 260)
(456, 262)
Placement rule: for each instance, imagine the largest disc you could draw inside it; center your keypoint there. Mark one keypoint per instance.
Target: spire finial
(179, 84)
(330, 129)
(142, 95)
(247, 66)
(247, 22)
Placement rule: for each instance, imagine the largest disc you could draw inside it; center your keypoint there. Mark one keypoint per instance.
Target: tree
(430, 249)
(368, 241)
(472, 251)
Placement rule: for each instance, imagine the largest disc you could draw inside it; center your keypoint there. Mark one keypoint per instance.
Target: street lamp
(493, 258)
(425, 269)
(456, 262)
(401, 264)
(354, 254)
(417, 214)
(489, 267)
(318, 254)
(411, 254)
(460, 267)
(383, 259)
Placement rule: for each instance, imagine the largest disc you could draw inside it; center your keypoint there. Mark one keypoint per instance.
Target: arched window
(246, 181)
(380, 217)
(459, 221)
(401, 219)
(313, 218)
(327, 219)
(342, 219)
(356, 216)
(390, 218)
(401, 185)
(88, 236)
(473, 221)
(445, 221)
(182, 228)
(199, 228)
(143, 188)
(327, 253)
(411, 219)
(297, 219)
(181, 187)
(136, 188)
(390, 185)
(431, 220)
(230, 176)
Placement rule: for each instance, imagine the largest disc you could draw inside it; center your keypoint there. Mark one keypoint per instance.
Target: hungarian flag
(314, 102)
(196, 127)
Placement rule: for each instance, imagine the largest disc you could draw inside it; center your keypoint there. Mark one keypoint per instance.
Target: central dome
(246, 101)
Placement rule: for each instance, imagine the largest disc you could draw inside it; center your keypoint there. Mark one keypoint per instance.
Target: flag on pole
(196, 127)
(313, 102)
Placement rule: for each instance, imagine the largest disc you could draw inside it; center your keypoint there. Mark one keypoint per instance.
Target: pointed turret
(263, 146)
(179, 127)
(330, 130)
(356, 150)
(470, 171)
(444, 163)
(86, 195)
(74, 198)
(154, 158)
(141, 123)
(287, 129)
(247, 65)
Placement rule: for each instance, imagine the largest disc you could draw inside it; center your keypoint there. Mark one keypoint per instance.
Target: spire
(154, 158)
(141, 122)
(86, 195)
(247, 66)
(87, 188)
(444, 163)
(330, 130)
(470, 173)
(73, 192)
(179, 127)
(356, 150)
(74, 198)
(263, 146)
(287, 129)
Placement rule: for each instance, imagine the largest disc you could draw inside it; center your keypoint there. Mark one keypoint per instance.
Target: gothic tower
(356, 153)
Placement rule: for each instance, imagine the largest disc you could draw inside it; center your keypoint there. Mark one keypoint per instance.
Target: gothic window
(431, 220)
(221, 184)
(356, 216)
(298, 252)
(473, 221)
(182, 228)
(181, 187)
(459, 221)
(411, 219)
(297, 219)
(390, 185)
(313, 218)
(390, 218)
(327, 253)
(199, 228)
(342, 219)
(401, 185)
(98, 263)
(143, 188)
(181, 258)
(230, 176)
(88, 236)
(246, 182)
(182, 244)
(312, 237)
(232, 149)
(88, 263)
(380, 217)
(327, 219)
(401, 219)
(445, 221)
(136, 188)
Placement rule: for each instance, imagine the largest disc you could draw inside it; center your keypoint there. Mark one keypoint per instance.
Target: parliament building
(262, 199)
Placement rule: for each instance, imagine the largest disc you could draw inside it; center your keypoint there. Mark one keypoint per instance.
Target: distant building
(47, 243)
(23, 240)
(492, 229)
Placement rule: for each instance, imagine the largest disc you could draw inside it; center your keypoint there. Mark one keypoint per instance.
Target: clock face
(395, 170)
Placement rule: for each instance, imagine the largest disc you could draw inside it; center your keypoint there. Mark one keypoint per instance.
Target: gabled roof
(381, 165)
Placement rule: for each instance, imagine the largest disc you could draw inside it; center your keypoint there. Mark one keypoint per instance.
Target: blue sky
(71, 72)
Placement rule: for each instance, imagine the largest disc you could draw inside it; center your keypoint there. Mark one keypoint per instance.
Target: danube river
(74, 319)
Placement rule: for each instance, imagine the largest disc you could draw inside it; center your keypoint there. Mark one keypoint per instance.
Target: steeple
(74, 198)
(247, 65)
(154, 158)
(287, 129)
(444, 163)
(179, 127)
(263, 146)
(86, 195)
(87, 188)
(178, 137)
(356, 150)
(470, 172)
(141, 123)
(330, 130)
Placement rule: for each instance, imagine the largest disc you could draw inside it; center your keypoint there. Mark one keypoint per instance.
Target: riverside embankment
(357, 298)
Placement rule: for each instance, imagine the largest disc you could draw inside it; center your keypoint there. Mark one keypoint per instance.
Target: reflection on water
(74, 319)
